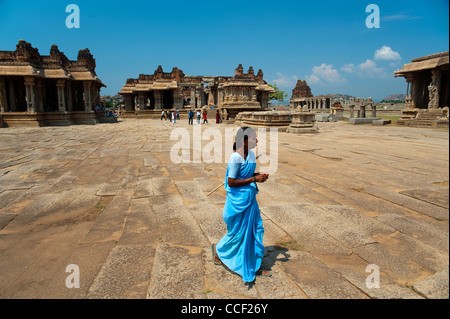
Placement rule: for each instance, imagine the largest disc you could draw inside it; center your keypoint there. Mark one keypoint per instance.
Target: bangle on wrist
(254, 178)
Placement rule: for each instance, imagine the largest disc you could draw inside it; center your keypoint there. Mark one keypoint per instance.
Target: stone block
(363, 120)
(381, 122)
(333, 118)
(322, 117)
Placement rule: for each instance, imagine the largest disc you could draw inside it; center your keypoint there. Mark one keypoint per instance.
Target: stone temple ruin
(302, 120)
(147, 95)
(38, 90)
(302, 98)
(427, 91)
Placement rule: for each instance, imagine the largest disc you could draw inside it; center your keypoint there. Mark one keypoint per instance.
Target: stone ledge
(381, 122)
(359, 120)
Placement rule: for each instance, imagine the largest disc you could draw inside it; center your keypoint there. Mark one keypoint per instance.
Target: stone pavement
(108, 199)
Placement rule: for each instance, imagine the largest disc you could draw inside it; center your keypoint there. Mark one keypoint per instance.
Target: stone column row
(317, 104)
(34, 95)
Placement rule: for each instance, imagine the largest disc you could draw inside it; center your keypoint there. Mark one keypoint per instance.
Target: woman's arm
(260, 178)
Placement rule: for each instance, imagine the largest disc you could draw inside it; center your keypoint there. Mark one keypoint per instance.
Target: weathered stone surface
(430, 196)
(434, 287)
(141, 226)
(177, 224)
(316, 280)
(357, 271)
(125, 274)
(293, 219)
(402, 270)
(177, 273)
(332, 207)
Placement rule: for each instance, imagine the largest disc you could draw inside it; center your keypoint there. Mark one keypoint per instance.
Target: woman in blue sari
(241, 249)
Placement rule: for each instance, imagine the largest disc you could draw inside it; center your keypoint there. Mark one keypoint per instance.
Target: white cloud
(349, 68)
(386, 53)
(325, 73)
(284, 81)
(370, 69)
(312, 79)
(400, 16)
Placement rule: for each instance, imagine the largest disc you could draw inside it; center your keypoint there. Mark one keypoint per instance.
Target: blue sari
(241, 249)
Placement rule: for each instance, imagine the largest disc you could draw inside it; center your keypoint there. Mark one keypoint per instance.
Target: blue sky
(325, 43)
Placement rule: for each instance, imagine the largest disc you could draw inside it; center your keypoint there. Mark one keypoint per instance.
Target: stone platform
(108, 199)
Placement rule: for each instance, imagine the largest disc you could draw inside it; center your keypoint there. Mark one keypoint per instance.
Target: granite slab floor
(130, 210)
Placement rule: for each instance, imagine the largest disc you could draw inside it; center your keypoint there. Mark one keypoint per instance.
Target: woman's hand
(261, 178)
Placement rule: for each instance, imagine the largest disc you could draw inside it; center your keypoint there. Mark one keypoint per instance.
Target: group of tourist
(199, 115)
(171, 115)
(102, 112)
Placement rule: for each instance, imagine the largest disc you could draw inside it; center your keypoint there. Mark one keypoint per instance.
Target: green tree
(278, 95)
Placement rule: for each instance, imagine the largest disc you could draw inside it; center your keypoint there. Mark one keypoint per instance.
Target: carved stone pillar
(192, 105)
(352, 111)
(409, 102)
(201, 96)
(374, 110)
(197, 98)
(3, 104)
(39, 95)
(178, 98)
(87, 96)
(158, 100)
(220, 96)
(30, 89)
(434, 89)
(142, 99)
(60, 85)
(129, 102)
(363, 111)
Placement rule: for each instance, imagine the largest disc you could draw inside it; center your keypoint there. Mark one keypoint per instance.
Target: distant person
(174, 118)
(205, 117)
(217, 117)
(198, 116)
(191, 117)
(163, 115)
(178, 114)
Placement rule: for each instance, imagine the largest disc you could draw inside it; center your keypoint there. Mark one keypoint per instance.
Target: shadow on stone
(271, 254)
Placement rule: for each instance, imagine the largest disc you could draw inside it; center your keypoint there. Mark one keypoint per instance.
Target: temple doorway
(51, 96)
(168, 99)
